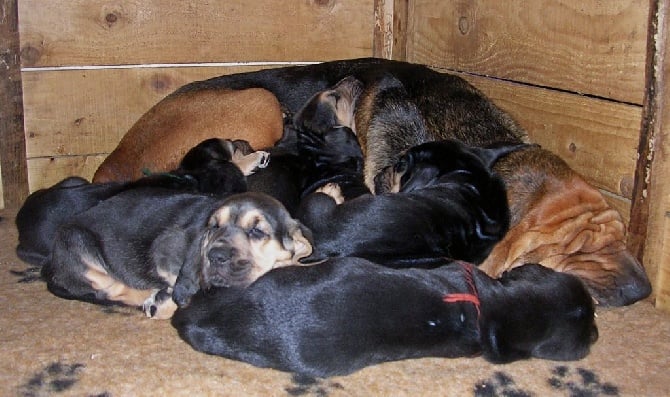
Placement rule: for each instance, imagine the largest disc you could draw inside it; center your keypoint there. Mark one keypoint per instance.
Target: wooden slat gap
(545, 87)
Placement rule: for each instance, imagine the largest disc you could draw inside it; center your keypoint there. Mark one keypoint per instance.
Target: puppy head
(332, 107)
(536, 312)
(250, 234)
(562, 222)
(426, 164)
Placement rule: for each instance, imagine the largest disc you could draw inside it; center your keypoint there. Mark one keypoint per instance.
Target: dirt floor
(54, 347)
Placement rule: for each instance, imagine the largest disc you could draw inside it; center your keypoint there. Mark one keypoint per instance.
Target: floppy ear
(188, 280)
(299, 241)
(489, 155)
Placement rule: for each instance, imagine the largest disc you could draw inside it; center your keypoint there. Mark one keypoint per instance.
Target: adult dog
(449, 107)
(450, 205)
(167, 245)
(213, 166)
(342, 315)
(161, 137)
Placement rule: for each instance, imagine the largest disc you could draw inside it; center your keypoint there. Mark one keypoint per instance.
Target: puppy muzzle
(225, 268)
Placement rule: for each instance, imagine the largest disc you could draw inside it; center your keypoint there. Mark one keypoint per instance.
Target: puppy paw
(333, 190)
(160, 306)
(251, 163)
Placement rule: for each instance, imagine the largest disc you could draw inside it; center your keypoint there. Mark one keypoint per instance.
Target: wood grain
(83, 112)
(100, 32)
(597, 138)
(654, 200)
(589, 47)
(13, 168)
(47, 171)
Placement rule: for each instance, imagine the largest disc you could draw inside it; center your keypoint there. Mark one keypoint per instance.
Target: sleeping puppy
(347, 313)
(451, 205)
(450, 107)
(169, 240)
(317, 144)
(214, 166)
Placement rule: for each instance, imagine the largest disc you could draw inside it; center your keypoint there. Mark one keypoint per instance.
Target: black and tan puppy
(348, 313)
(451, 205)
(215, 166)
(134, 247)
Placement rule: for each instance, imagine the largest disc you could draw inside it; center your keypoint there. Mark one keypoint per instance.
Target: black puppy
(450, 205)
(214, 166)
(134, 247)
(348, 313)
(318, 147)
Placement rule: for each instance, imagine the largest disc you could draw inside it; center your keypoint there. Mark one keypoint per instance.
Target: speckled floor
(54, 347)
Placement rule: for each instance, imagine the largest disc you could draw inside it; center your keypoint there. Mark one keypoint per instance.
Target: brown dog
(560, 220)
(404, 104)
(163, 135)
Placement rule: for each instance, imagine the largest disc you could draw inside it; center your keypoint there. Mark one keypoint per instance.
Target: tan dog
(162, 136)
(562, 222)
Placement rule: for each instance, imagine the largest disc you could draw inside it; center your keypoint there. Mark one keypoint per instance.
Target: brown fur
(161, 137)
(562, 222)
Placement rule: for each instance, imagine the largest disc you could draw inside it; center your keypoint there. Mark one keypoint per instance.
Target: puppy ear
(300, 242)
(489, 155)
(188, 280)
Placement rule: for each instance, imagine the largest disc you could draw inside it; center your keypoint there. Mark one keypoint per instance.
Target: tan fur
(114, 289)
(163, 135)
(562, 222)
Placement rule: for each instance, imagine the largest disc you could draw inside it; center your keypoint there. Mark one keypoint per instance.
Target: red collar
(472, 296)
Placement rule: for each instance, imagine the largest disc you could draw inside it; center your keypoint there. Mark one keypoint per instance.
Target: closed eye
(256, 233)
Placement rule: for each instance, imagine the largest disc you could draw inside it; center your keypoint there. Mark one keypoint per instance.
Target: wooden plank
(653, 204)
(13, 168)
(46, 171)
(595, 137)
(100, 32)
(590, 47)
(83, 112)
(390, 32)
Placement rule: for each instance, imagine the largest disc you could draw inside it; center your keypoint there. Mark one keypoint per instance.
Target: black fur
(131, 236)
(452, 206)
(337, 317)
(206, 168)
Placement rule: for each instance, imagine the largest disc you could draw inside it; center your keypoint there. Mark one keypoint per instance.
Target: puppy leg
(333, 190)
(251, 163)
(76, 270)
(160, 306)
(168, 254)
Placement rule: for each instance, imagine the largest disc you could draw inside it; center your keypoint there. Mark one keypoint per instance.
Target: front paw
(333, 190)
(251, 163)
(160, 306)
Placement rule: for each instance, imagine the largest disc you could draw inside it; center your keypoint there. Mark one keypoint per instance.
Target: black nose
(220, 255)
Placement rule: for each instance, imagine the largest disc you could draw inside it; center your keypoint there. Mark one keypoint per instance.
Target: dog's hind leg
(76, 271)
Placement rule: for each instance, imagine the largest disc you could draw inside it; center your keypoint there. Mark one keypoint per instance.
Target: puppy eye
(256, 233)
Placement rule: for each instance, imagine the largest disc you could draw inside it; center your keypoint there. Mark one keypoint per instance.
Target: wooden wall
(580, 76)
(90, 68)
